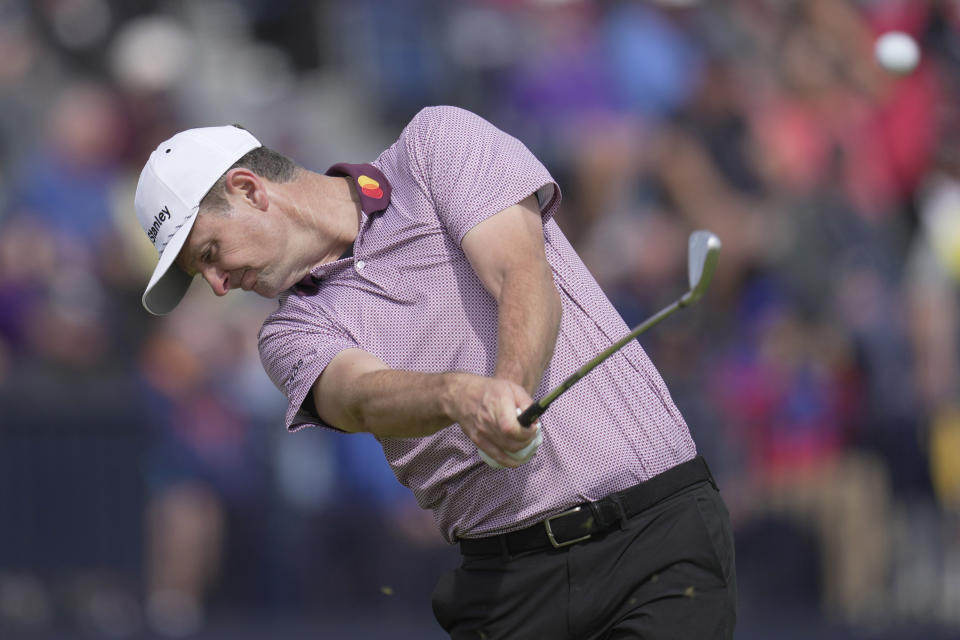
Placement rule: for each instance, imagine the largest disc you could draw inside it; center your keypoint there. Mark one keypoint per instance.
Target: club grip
(530, 414)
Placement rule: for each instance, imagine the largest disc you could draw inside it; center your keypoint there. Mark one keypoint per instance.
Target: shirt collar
(306, 287)
(372, 185)
(374, 190)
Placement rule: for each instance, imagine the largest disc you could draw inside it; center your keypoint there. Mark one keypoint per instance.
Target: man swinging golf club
(427, 297)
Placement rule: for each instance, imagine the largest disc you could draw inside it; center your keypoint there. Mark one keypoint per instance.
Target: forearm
(527, 325)
(357, 391)
(402, 404)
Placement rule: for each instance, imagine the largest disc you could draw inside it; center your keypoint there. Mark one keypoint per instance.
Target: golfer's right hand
(486, 409)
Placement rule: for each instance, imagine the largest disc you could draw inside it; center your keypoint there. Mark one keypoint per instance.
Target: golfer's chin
(263, 292)
(267, 289)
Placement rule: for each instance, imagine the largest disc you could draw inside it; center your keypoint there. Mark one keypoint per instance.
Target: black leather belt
(586, 520)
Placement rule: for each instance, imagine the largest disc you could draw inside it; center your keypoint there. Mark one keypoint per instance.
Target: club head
(704, 249)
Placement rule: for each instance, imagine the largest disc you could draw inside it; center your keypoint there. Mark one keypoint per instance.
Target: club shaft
(531, 413)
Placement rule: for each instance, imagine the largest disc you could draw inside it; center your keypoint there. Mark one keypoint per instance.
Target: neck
(327, 209)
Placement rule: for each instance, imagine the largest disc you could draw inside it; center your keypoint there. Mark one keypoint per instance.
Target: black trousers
(667, 572)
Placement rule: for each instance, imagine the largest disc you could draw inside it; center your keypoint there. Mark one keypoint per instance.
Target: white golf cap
(175, 179)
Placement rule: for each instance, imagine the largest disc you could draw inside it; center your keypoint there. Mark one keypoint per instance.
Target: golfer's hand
(486, 410)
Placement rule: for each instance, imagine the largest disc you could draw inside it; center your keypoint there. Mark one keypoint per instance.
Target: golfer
(426, 297)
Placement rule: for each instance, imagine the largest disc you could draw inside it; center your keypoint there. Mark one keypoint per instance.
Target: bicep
(332, 391)
(508, 240)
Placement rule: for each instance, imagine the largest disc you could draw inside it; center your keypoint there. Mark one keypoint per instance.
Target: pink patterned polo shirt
(409, 296)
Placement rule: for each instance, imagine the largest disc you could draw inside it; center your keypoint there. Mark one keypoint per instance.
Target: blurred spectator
(207, 466)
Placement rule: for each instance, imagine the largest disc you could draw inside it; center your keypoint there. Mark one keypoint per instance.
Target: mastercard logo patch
(370, 187)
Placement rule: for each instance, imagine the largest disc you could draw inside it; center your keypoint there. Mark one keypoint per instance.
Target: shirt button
(360, 265)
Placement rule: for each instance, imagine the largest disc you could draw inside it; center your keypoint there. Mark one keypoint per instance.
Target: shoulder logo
(370, 187)
(158, 220)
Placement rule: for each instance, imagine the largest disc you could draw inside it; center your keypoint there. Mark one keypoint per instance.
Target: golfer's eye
(207, 256)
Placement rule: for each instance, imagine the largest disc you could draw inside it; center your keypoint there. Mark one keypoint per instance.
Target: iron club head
(704, 249)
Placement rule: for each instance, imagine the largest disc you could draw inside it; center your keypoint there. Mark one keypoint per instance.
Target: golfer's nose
(218, 279)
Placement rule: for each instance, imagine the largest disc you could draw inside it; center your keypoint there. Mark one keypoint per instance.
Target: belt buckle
(550, 536)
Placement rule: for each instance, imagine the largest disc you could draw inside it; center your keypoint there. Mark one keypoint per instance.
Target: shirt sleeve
(294, 354)
(472, 170)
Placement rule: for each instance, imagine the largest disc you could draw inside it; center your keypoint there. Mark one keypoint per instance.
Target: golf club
(704, 249)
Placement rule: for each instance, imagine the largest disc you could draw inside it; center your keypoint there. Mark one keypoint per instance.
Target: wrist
(517, 375)
(452, 391)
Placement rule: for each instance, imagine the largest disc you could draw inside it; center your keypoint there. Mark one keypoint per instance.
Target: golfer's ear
(248, 186)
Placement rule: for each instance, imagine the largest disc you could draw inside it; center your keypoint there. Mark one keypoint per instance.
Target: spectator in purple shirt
(425, 297)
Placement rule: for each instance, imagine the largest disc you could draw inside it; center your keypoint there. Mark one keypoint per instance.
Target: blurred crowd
(146, 481)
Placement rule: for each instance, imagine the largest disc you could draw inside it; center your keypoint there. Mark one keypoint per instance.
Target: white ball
(897, 52)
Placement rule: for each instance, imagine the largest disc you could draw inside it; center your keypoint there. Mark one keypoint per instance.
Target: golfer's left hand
(523, 455)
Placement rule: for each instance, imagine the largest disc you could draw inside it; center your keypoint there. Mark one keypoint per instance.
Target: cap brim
(169, 283)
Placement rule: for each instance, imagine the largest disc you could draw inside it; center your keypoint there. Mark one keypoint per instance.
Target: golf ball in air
(897, 52)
